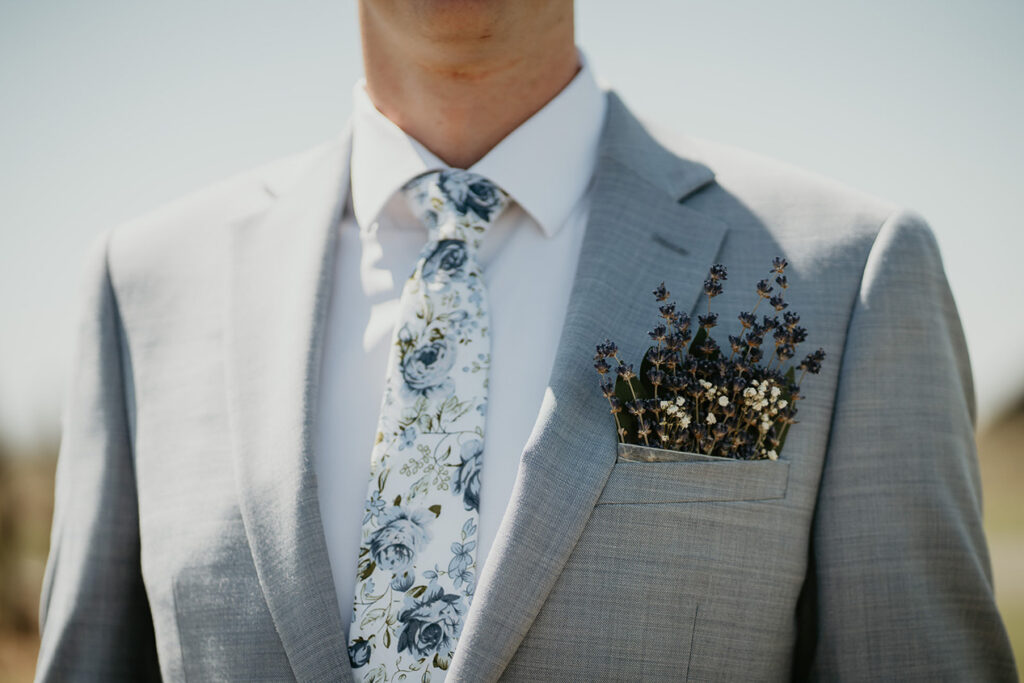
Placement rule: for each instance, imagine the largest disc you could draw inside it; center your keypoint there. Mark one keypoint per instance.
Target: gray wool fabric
(187, 542)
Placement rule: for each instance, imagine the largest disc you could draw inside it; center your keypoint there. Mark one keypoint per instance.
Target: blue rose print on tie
(469, 192)
(425, 369)
(446, 263)
(400, 536)
(431, 625)
(403, 582)
(359, 653)
(468, 480)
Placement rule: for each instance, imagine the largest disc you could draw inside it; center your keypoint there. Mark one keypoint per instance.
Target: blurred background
(108, 110)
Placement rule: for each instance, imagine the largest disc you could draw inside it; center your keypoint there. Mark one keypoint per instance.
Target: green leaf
(417, 591)
(387, 638)
(382, 479)
(698, 339)
(366, 569)
(782, 437)
(398, 500)
(436, 509)
(645, 366)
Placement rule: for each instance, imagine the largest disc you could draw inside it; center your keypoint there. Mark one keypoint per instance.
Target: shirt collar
(545, 164)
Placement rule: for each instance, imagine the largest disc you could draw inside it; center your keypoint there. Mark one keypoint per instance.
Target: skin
(460, 75)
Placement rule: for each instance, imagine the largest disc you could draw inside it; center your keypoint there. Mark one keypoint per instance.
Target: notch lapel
(282, 265)
(638, 234)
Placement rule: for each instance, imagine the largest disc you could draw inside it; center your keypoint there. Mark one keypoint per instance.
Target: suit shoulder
(193, 220)
(779, 196)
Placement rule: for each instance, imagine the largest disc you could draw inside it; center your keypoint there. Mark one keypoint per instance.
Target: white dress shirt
(528, 258)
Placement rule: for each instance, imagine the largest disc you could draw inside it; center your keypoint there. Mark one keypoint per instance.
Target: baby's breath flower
(711, 419)
(777, 303)
(772, 455)
(723, 401)
(779, 264)
(718, 272)
(764, 289)
(661, 294)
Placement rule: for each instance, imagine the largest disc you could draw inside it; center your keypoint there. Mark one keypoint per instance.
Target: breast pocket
(649, 475)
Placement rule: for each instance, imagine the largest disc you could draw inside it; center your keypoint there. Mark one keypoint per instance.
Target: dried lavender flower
(696, 398)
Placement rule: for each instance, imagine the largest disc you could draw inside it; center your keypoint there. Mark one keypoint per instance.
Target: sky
(108, 110)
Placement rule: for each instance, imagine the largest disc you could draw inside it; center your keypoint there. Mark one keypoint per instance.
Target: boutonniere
(691, 394)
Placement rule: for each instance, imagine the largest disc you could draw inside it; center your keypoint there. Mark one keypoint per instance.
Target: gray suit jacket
(187, 540)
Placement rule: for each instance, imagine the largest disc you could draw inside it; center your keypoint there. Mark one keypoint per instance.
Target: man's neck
(460, 94)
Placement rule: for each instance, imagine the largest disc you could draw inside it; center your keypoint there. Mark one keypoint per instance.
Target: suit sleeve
(94, 615)
(900, 585)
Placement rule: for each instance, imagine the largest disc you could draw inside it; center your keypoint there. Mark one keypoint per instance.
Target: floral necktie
(417, 560)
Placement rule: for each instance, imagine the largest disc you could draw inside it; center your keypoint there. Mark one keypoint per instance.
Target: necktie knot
(455, 204)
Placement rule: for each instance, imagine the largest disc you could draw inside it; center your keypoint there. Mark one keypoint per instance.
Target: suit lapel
(638, 234)
(281, 271)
